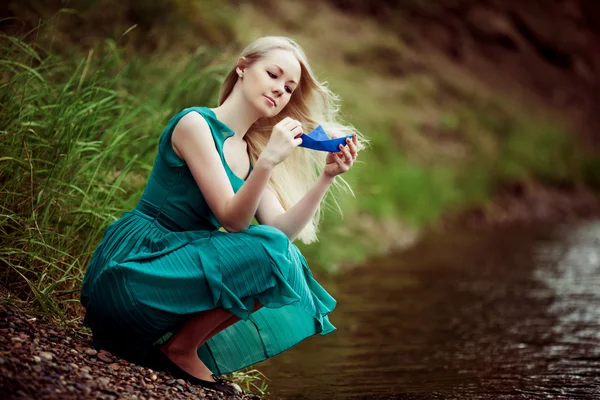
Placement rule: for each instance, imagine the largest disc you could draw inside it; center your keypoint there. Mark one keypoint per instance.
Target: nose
(278, 91)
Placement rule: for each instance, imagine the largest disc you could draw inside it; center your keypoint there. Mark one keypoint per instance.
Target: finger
(296, 131)
(346, 153)
(284, 121)
(355, 141)
(290, 121)
(352, 147)
(339, 161)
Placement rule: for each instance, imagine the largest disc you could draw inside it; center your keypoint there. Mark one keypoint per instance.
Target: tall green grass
(80, 135)
(77, 147)
(78, 142)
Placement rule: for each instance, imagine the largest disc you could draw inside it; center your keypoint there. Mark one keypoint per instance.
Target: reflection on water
(495, 315)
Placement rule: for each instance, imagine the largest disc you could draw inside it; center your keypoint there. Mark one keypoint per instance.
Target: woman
(169, 289)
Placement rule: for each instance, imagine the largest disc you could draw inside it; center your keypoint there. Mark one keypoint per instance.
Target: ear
(240, 65)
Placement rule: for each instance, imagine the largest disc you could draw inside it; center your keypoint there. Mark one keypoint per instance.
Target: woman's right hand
(283, 140)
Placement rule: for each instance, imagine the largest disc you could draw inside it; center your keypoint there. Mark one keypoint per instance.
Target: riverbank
(40, 359)
(446, 148)
(526, 204)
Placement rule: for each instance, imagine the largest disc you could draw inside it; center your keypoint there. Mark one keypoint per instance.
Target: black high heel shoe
(221, 385)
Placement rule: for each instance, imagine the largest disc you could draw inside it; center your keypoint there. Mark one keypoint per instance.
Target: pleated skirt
(144, 281)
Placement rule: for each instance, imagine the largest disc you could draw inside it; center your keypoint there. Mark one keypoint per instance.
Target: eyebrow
(281, 70)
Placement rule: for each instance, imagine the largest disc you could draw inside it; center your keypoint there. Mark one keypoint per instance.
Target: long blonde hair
(312, 104)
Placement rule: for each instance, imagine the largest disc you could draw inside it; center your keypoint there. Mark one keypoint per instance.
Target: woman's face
(269, 83)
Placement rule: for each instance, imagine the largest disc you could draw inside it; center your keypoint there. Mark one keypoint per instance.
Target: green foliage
(158, 25)
(251, 380)
(77, 147)
(541, 150)
(80, 136)
(590, 166)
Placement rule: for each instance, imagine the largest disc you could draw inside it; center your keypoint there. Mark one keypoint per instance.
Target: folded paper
(318, 140)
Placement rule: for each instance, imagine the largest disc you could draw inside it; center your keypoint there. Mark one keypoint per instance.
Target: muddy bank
(528, 204)
(41, 360)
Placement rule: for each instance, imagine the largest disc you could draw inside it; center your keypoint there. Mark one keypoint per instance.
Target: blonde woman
(185, 282)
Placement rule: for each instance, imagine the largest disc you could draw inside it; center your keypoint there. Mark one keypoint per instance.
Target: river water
(504, 314)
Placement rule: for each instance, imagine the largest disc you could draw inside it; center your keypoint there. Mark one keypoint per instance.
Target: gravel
(40, 360)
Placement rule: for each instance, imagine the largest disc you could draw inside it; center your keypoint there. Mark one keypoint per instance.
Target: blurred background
(482, 115)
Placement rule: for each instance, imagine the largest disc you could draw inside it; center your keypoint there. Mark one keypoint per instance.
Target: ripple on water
(467, 315)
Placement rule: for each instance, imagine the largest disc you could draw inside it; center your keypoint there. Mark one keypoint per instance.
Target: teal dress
(166, 259)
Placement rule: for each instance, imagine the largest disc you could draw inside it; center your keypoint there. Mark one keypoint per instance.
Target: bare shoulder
(190, 123)
(191, 127)
(193, 138)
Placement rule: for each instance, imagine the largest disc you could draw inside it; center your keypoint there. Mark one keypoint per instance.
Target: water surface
(481, 315)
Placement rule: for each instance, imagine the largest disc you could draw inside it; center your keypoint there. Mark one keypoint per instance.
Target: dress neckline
(229, 132)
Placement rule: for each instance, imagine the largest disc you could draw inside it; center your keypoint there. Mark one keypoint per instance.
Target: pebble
(91, 352)
(104, 356)
(50, 364)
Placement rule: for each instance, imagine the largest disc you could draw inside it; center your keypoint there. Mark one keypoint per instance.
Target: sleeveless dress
(167, 259)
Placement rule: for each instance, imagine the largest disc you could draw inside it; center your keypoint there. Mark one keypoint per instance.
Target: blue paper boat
(318, 140)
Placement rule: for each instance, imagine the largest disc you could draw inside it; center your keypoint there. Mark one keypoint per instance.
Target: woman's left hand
(340, 162)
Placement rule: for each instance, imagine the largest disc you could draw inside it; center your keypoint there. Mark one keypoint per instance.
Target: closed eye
(287, 88)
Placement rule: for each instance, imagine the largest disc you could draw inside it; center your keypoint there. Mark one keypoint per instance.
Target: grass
(441, 142)
(77, 148)
(80, 130)
(251, 380)
(79, 136)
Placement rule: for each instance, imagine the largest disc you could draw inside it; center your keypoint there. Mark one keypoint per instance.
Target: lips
(272, 101)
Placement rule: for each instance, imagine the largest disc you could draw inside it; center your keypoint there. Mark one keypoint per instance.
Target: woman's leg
(227, 323)
(182, 346)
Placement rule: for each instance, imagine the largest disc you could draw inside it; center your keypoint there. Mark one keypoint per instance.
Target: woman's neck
(237, 114)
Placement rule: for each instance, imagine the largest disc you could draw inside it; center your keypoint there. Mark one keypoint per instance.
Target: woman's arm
(242, 207)
(291, 222)
(234, 211)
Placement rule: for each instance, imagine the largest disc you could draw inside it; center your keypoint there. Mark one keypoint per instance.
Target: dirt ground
(39, 360)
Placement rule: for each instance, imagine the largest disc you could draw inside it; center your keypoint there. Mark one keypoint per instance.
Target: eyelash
(272, 75)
